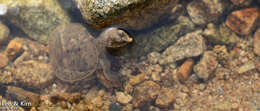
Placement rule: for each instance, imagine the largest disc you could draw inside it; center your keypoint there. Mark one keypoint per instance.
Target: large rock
(37, 18)
(4, 33)
(134, 14)
(243, 21)
(33, 74)
(190, 45)
(205, 11)
(159, 39)
(206, 66)
(257, 42)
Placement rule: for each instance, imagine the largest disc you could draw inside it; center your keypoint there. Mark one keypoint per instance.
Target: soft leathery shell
(73, 53)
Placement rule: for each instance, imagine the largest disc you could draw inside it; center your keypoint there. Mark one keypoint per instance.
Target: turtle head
(117, 38)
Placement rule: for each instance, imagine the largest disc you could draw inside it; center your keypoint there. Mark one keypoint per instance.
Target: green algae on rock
(134, 14)
(36, 18)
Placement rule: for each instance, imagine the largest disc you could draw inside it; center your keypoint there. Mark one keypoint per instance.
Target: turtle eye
(120, 33)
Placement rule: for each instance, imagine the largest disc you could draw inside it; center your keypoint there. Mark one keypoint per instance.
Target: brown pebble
(243, 21)
(137, 79)
(70, 97)
(13, 49)
(3, 60)
(166, 97)
(185, 70)
(63, 105)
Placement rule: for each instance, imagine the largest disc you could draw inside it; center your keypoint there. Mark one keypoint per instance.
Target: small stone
(3, 60)
(128, 107)
(206, 66)
(205, 11)
(98, 101)
(137, 79)
(68, 97)
(128, 88)
(156, 76)
(33, 74)
(246, 67)
(63, 105)
(23, 96)
(185, 70)
(153, 57)
(14, 49)
(243, 21)
(223, 56)
(153, 108)
(157, 68)
(165, 97)
(241, 2)
(190, 45)
(257, 42)
(123, 98)
(4, 33)
(202, 87)
(234, 106)
(145, 93)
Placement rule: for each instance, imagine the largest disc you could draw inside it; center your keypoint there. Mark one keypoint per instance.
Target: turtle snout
(127, 39)
(124, 37)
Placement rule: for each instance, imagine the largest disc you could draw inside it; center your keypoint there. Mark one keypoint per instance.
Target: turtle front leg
(109, 76)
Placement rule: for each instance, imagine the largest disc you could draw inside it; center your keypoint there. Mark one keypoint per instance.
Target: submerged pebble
(185, 70)
(145, 92)
(33, 74)
(243, 21)
(205, 11)
(206, 66)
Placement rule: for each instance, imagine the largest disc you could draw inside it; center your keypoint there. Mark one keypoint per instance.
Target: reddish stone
(243, 21)
(14, 49)
(184, 70)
